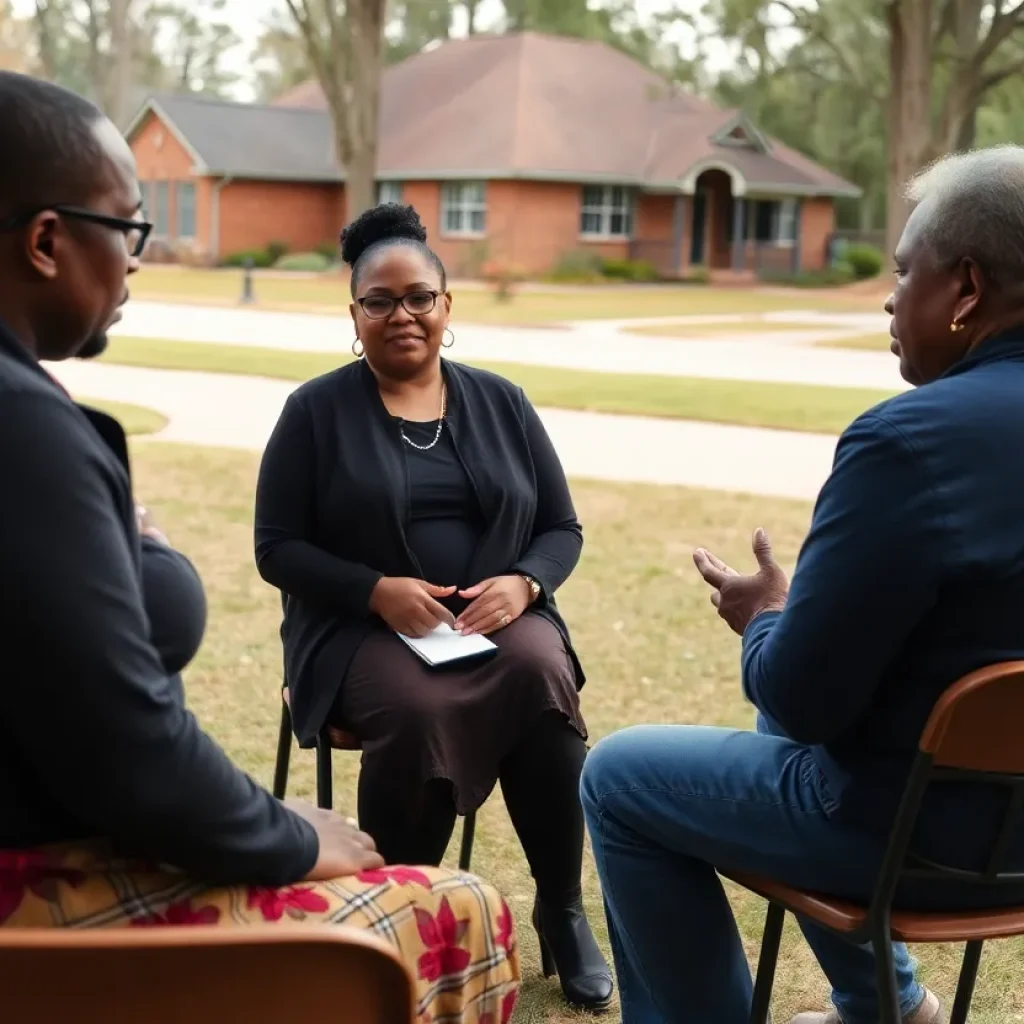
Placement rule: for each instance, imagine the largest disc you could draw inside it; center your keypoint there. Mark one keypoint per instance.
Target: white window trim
(397, 186)
(607, 209)
(161, 236)
(177, 211)
(790, 206)
(467, 207)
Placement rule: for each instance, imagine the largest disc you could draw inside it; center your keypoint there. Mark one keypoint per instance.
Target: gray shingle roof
(253, 141)
(513, 106)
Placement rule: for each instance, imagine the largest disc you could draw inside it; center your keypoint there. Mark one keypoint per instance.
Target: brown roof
(546, 107)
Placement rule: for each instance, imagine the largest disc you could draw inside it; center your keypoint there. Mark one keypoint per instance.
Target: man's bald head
(48, 140)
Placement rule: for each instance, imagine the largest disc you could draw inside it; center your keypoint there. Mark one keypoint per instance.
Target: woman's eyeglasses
(380, 307)
(136, 232)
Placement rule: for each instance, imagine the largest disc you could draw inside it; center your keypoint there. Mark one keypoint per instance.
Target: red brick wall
(817, 222)
(303, 216)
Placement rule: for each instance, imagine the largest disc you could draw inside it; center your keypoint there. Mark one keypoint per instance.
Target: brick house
(516, 149)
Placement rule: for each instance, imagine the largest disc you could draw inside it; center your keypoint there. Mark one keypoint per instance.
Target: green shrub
(260, 258)
(578, 266)
(864, 260)
(828, 277)
(329, 250)
(275, 250)
(629, 270)
(310, 262)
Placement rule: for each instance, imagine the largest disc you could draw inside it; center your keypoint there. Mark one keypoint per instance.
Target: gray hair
(977, 211)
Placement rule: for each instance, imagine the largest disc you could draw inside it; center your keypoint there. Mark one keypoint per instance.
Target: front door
(699, 228)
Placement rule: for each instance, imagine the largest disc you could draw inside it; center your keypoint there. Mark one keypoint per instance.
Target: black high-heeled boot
(568, 948)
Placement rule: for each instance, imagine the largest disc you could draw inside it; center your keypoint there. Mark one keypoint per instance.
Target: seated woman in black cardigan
(402, 491)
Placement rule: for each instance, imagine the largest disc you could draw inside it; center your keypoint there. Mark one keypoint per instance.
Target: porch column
(678, 233)
(797, 233)
(739, 242)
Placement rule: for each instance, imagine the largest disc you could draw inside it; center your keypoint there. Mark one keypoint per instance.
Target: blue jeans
(666, 806)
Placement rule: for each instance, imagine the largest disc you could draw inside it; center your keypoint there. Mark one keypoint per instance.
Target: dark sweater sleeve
(175, 604)
(868, 571)
(557, 541)
(121, 753)
(285, 520)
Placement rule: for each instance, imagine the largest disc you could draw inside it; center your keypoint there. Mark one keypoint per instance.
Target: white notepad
(442, 646)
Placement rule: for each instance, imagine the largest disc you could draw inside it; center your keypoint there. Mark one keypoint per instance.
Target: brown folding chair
(973, 735)
(331, 738)
(197, 975)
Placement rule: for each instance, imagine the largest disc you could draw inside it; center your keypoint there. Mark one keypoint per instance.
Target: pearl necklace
(440, 426)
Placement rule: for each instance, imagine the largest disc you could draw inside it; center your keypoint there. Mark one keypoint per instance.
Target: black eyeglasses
(380, 307)
(136, 232)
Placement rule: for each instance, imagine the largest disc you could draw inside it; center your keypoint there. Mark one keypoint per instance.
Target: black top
(445, 520)
(334, 513)
(95, 740)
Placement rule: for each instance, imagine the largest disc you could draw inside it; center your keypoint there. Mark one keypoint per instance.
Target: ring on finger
(504, 620)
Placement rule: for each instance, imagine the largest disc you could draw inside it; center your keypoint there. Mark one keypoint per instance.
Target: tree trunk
(471, 6)
(45, 40)
(366, 58)
(120, 82)
(909, 105)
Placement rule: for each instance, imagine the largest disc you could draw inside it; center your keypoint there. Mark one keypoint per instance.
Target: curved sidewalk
(592, 345)
(240, 412)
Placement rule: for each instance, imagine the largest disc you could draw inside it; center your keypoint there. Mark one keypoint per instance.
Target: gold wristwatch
(533, 585)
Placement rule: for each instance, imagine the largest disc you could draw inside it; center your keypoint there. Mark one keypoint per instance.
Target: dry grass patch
(863, 342)
(134, 418)
(531, 304)
(653, 649)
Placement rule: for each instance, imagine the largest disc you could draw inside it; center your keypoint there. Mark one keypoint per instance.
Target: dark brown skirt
(418, 723)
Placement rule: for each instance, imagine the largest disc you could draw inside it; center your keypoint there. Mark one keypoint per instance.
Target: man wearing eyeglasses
(95, 741)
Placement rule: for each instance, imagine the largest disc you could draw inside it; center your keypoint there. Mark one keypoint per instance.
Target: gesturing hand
(494, 604)
(344, 850)
(408, 606)
(738, 598)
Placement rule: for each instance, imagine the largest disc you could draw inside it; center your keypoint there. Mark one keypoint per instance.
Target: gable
(741, 133)
(159, 152)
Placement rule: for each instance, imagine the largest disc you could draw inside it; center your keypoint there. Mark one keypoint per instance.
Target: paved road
(240, 412)
(769, 356)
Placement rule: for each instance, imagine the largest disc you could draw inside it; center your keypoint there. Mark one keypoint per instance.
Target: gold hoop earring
(448, 344)
(358, 353)
(956, 326)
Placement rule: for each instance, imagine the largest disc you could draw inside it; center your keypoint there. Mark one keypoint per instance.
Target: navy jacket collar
(1000, 347)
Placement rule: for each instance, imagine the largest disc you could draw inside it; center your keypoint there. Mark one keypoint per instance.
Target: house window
(785, 222)
(463, 208)
(389, 192)
(771, 221)
(159, 192)
(606, 212)
(185, 209)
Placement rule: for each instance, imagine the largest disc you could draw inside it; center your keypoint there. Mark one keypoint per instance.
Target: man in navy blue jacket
(911, 576)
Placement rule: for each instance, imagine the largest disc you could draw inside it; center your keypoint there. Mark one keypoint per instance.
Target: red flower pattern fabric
(441, 937)
(294, 900)
(399, 875)
(180, 913)
(31, 871)
(504, 934)
(508, 1005)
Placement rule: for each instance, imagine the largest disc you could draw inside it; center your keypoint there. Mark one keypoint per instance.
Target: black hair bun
(382, 223)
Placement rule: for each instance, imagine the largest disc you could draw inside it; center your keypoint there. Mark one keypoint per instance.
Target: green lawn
(531, 305)
(803, 407)
(863, 342)
(134, 418)
(651, 643)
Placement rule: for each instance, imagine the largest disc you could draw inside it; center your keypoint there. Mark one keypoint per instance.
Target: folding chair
(331, 738)
(973, 735)
(261, 975)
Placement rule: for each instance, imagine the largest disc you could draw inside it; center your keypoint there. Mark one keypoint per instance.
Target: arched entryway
(712, 213)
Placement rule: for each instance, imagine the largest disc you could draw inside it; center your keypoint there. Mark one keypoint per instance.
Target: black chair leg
(466, 850)
(324, 772)
(965, 986)
(284, 753)
(885, 974)
(760, 1007)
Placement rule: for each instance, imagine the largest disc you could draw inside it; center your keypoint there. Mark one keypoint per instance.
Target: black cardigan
(332, 508)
